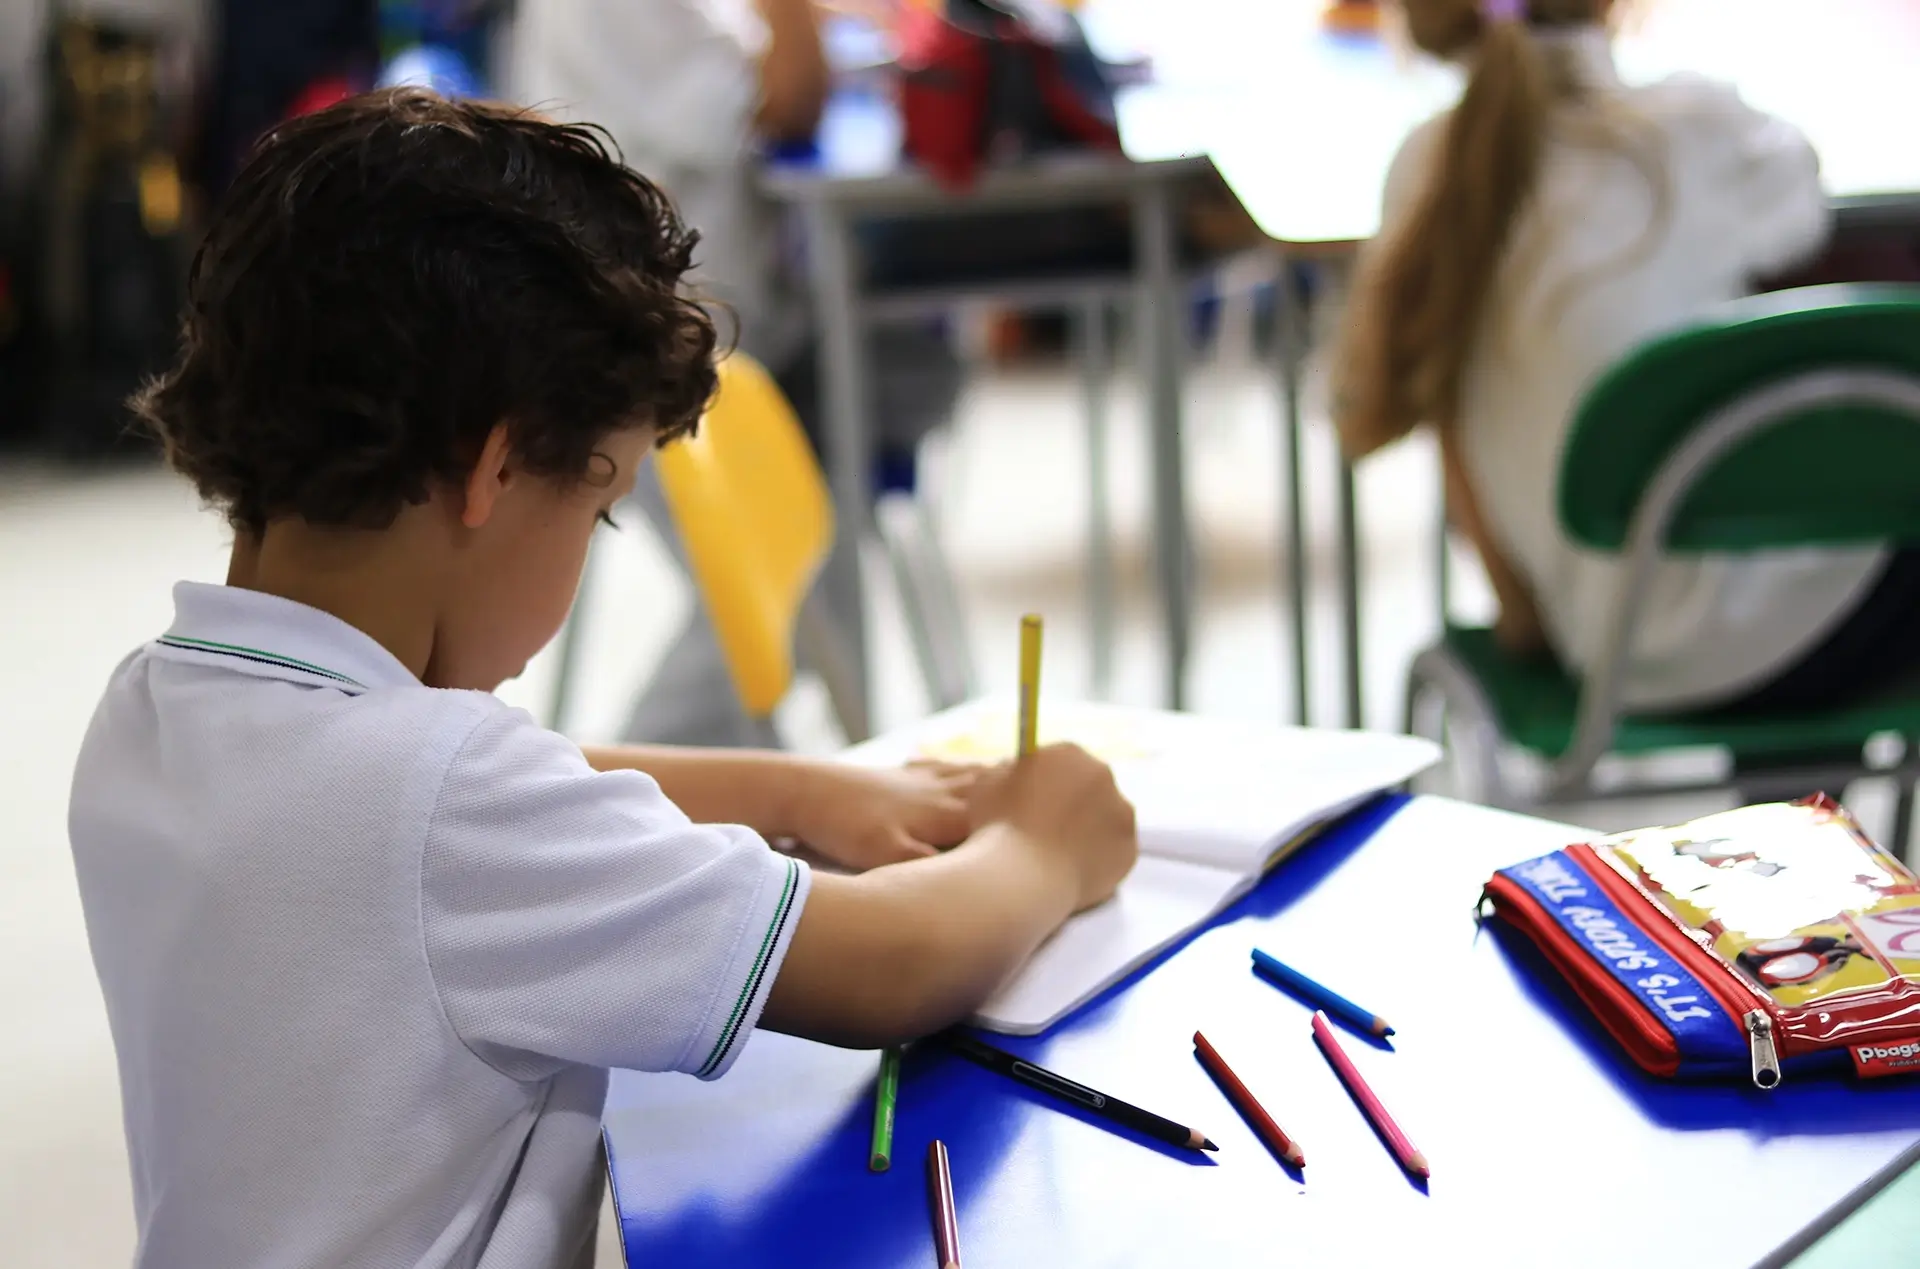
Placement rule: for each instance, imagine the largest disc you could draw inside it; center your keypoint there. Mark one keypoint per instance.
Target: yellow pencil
(1029, 683)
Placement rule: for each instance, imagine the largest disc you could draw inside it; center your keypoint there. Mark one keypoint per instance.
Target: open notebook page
(1160, 900)
(1212, 791)
(1215, 800)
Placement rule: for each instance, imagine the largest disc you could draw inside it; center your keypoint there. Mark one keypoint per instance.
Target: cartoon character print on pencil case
(1800, 960)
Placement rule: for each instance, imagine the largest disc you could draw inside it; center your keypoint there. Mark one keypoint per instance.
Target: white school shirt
(676, 83)
(368, 949)
(1594, 268)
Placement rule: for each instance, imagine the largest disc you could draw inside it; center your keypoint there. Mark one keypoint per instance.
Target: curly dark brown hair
(390, 278)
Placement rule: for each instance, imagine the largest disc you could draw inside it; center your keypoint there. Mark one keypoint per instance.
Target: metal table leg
(1160, 321)
(1355, 715)
(1090, 340)
(832, 262)
(1291, 343)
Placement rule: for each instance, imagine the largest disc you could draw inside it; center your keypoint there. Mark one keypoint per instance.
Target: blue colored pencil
(1317, 996)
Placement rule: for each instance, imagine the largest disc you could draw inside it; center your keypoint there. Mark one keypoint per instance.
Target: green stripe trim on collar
(731, 1031)
(255, 654)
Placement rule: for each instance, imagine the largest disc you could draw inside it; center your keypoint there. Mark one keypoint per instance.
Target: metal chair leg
(764, 734)
(821, 644)
(1410, 707)
(899, 531)
(1290, 347)
(1417, 688)
(1160, 307)
(958, 676)
(1355, 715)
(1470, 730)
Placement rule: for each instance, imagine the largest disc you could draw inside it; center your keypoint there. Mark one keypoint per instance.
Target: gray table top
(1302, 123)
(1049, 180)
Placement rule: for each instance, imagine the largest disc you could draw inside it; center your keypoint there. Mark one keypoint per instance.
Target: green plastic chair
(1781, 420)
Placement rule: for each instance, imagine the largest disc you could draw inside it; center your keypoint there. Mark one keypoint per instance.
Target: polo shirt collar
(269, 637)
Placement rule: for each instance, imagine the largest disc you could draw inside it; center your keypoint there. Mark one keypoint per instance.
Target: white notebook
(1218, 803)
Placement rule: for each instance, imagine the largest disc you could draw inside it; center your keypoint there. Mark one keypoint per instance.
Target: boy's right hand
(903, 951)
(1064, 800)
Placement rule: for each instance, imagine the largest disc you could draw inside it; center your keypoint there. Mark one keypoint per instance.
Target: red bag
(979, 84)
(1766, 940)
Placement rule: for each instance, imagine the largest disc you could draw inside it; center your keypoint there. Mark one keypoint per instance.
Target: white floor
(85, 566)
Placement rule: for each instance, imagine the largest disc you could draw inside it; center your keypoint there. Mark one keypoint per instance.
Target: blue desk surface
(1547, 1148)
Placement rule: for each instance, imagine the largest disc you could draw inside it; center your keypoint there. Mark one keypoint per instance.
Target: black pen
(1109, 1108)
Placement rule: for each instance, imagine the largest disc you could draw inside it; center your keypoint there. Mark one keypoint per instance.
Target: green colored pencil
(884, 1095)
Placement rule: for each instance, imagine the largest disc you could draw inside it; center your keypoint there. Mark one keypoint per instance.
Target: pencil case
(1768, 940)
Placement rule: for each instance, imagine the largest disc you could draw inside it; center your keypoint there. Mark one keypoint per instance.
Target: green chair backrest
(1830, 475)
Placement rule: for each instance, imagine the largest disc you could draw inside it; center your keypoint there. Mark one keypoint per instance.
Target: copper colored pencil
(946, 1223)
(1246, 1103)
(1410, 1159)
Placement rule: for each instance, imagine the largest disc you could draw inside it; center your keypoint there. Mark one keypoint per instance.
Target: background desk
(859, 178)
(1546, 1147)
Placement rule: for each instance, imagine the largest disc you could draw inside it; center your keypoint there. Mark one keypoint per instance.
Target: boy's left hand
(863, 817)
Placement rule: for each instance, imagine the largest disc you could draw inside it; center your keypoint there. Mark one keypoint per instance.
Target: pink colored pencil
(1410, 1158)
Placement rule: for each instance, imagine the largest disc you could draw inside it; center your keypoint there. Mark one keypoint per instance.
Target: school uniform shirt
(1599, 263)
(676, 83)
(368, 949)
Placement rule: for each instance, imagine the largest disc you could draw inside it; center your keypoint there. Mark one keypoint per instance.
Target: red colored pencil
(1410, 1159)
(1246, 1103)
(946, 1223)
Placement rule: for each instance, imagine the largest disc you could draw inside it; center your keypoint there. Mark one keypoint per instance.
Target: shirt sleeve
(1778, 175)
(676, 82)
(1758, 173)
(576, 917)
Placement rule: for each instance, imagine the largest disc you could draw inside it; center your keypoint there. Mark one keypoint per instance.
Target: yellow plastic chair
(756, 520)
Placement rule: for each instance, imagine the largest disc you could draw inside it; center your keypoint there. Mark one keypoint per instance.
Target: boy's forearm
(902, 951)
(756, 788)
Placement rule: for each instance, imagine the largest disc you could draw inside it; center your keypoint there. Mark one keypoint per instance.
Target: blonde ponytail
(1422, 292)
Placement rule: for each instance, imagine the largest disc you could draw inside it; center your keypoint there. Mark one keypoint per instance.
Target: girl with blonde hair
(1551, 221)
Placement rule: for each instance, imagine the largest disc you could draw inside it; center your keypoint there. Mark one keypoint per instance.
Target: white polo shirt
(1597, 264)
(368, 949)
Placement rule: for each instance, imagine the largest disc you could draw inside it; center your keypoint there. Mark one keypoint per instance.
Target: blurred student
(369, 939)
(694, 92)
(1532, 236)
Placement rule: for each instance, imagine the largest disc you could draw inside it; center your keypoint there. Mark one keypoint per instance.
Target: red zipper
(1721, 981)
(1624, 1015)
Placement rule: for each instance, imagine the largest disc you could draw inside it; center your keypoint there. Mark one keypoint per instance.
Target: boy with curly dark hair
(369, 939)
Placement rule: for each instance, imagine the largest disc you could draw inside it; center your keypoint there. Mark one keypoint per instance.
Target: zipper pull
(1766, 1060)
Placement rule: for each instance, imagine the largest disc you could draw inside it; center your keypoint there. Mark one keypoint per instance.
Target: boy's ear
(492, 473)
